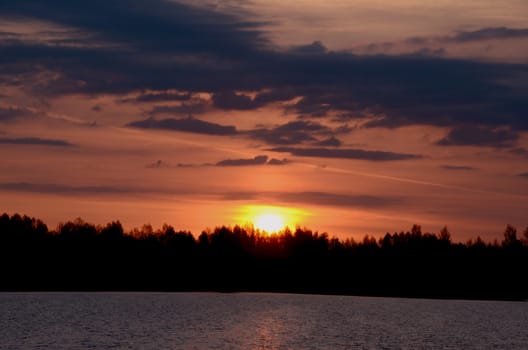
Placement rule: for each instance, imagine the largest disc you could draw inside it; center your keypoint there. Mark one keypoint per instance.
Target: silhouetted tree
(81, 256)
(444, 235)
(510, 237)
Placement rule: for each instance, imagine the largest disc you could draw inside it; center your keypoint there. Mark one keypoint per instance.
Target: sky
(348, 117)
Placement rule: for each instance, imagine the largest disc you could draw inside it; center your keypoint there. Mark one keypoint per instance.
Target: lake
(255, 321)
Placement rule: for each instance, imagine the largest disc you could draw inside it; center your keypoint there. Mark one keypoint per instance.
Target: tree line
(81, 256)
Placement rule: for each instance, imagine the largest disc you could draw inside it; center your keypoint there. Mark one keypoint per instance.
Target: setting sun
(269, 222)
(270, 219)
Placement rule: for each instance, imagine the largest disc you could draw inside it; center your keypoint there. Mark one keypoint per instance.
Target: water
(255, 321)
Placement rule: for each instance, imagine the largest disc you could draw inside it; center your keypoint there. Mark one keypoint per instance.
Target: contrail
(413, 181)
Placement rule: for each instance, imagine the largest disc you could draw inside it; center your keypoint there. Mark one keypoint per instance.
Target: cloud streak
(257, 160)
(488, 34)
(188, 124)
(346, 153)
(58, 188)
(292, 133)
(34, 141)
(458, 167)
(479, 136)
(319, 198)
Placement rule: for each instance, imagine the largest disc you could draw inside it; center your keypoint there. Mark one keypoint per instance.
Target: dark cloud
(329, 142)
(8, 114)
(523, 175)
(345, 153)
(258, 160)
(198, 106)
(488, 33)
(520, 151)
(231, 100)
(131, 46)
(34, 141)
(315, 48)
(161, 96)
(292, 133)
(279, 93)
(56, 188)
(275, 161)
(97, 108)
(427, 51)
(156, 26)
(479, 136)
(188, 124)
(463, 36)
(458, 167)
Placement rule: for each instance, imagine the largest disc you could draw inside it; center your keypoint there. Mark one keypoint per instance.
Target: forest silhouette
(81, 256)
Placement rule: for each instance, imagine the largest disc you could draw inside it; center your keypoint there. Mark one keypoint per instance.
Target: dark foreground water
(255, 321)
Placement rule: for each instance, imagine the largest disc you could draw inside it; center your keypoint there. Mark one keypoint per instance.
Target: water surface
(255, 321)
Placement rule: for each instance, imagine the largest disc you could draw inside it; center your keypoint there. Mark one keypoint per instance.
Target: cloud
(131, 46)
(462, 36)
(56, 188)
(191, 107)
(230, 100)
(291, 133)
(479, 136)
(34, 141)
(520, 151)
(158, 96)
(188, 124)
(329, 142)
(488, 33)
(523, 175)
(156, 26)
(346, 153)
(257, 160)
(275, 161)
(315, 48)
(458, 167)
(12, 113)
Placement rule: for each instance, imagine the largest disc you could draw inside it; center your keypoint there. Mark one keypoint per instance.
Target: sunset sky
(347, 117)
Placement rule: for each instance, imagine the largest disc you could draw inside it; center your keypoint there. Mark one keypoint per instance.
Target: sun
(269, 222)
(270, 219)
